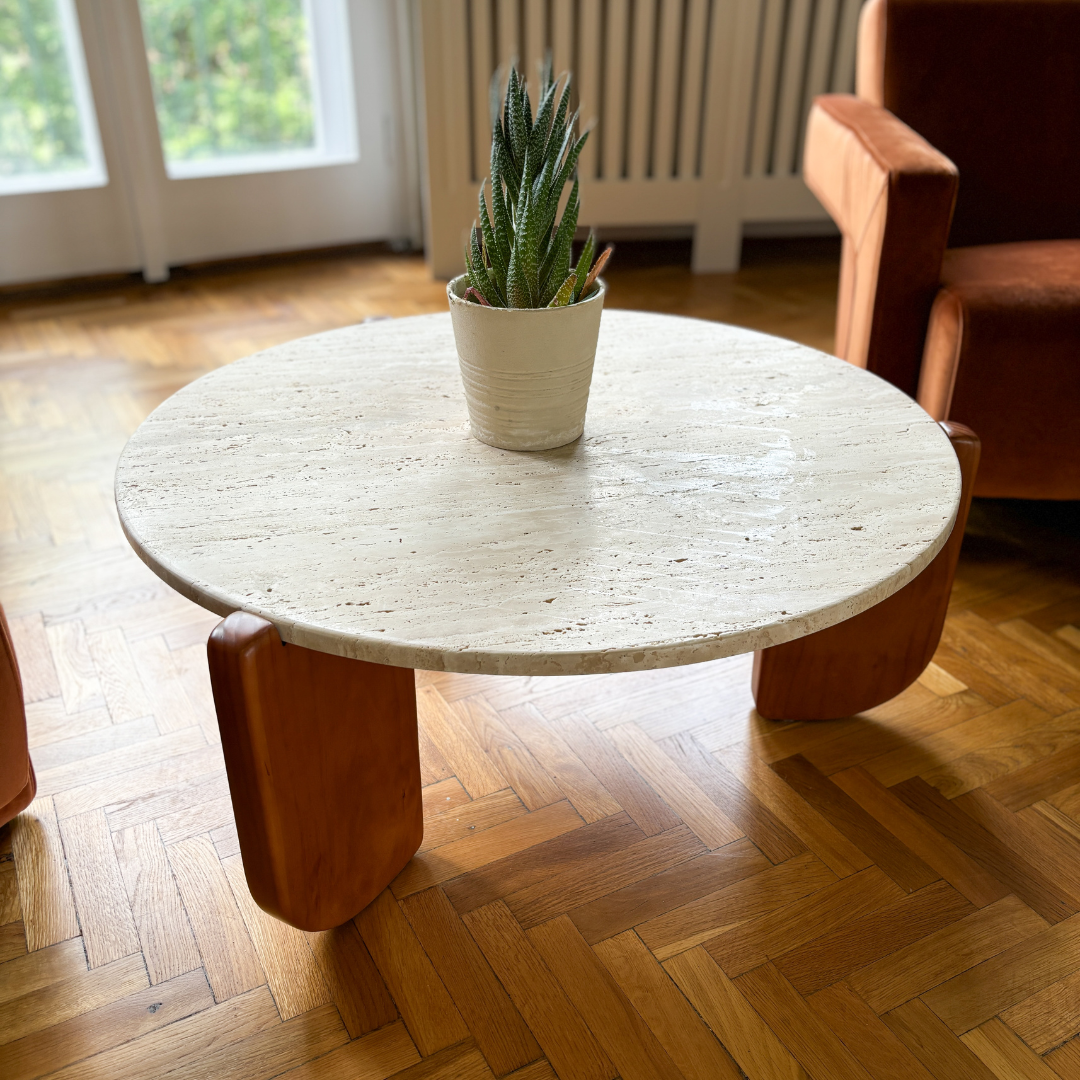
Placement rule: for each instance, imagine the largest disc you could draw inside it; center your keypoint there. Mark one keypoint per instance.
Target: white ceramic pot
(526, 371)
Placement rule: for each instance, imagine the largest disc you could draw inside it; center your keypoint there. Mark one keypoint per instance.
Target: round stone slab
(731, 491)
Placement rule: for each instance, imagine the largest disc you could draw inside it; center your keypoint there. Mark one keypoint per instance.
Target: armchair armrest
(892, 196)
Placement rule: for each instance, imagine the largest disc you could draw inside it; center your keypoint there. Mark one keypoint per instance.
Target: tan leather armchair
(18, 785)
(954, 176)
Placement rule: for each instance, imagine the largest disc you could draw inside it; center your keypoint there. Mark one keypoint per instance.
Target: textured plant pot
(526, 371)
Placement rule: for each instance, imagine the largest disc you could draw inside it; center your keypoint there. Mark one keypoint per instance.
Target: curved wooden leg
(324, 770)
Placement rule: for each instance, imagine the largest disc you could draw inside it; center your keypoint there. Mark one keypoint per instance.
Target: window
(48, 131)
(243, 86)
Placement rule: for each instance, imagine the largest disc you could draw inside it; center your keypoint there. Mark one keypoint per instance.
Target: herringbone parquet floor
(629, 876)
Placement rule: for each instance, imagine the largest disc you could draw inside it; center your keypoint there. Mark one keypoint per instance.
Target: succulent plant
(519, 257)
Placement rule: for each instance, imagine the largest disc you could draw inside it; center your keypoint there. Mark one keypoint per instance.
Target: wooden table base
(324, 770)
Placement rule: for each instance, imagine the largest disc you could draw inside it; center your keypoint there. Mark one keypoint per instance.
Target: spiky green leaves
(565, 293)
(520, 254)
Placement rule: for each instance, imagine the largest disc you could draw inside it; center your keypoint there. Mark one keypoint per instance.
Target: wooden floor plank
(48, 909)
(708, 822)
(578, 885)
(473, 817)
(427, 1009)
(620, 909)
(500, 1032)
(566, 1040)
(228, 956)
(509, 755)
(472, 852)
(833, 848)
(875, 841)
(31, 971)
(355, 984)
(934, 1044)
(515, 873)
(108, 929)
(957, 868)
(644, 806)
(79, 684)
(78, 993)
(996, 858)
(1005, 1054)
(754, 1045)
(696, 1052)
(748, 814)
(974, 996)
(294, 978)
(835, 955)
(466, 758)
(183, 1043)
(869, 1040)
(123, 691)
(596, 996)
(381, 1054)
(1050, 1017)
(813, 1043)
(940, 956)
(587, 795)
(65, 1042)
(778, 932)
(706, 918)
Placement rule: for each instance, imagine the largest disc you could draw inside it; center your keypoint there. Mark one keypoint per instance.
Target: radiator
(697, 108)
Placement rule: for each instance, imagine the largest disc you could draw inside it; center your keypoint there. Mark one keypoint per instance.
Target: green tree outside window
(229, 76)
(39, 118)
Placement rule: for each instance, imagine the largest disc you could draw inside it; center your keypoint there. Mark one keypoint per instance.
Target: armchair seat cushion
(1002, 355)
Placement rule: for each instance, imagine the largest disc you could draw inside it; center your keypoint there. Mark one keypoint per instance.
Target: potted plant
(525, 320)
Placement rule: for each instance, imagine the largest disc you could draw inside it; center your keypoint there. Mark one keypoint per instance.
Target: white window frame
(332, 102)
(95, 174)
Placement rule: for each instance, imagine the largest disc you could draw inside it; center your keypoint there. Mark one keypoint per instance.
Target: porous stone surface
(731, 491)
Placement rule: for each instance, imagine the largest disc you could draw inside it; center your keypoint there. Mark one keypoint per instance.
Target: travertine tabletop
(731, 491)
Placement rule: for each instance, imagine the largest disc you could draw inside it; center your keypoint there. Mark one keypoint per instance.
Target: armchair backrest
(995, 86)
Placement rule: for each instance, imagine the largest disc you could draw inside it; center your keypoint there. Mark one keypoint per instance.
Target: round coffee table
(732, 491)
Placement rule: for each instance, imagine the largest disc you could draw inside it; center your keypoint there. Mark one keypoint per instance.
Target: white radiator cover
(698, 108)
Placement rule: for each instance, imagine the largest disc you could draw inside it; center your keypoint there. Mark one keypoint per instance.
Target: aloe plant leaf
(471, 291)
(478, 279)
(491, 247)
(545, 109)
(528, 241)
(502, 164)
(584, 262)
(559, 123)
(565, 293)
(597, 269)
(518, 294)
(504, 233)
(518, 135)
(526, 109)
(557, 263)
(570, 164)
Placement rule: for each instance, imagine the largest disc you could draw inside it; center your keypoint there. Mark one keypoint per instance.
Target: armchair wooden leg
(324, 770)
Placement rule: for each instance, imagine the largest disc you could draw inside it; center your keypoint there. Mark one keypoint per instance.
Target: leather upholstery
(995, 86)
(18, 785)
(977, 103)
(892, 195)
(868, 659)
(980, 366)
